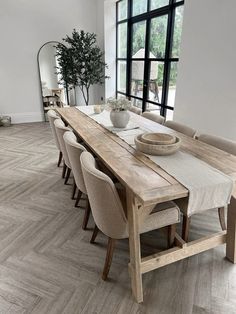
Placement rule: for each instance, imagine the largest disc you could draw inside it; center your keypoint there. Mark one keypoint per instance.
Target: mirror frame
(40, 82)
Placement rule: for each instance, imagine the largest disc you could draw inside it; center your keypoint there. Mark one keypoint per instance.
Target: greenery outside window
(148, 47)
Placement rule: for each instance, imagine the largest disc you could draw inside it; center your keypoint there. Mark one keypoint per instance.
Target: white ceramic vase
(119, 119)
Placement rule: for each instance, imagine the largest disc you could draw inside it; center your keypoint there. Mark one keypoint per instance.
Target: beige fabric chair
(60, 130)
(180, 128)
(154, 117)
(136, 110)
(228, 146)
(109, 214)
(74, 150)
(52, 116)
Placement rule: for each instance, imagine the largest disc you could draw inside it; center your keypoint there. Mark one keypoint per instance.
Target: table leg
(231, 231)
(134, 247)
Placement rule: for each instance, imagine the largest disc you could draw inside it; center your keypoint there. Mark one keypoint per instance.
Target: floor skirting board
(25, 117)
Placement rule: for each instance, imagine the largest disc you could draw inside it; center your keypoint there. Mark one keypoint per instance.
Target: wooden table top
(147, 180)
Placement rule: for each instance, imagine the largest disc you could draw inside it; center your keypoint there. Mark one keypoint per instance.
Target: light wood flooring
(48, 266)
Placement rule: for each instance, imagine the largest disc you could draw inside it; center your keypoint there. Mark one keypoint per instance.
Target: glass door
(147, 63)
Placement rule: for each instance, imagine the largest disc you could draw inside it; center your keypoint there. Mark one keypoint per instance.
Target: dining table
(146, 184)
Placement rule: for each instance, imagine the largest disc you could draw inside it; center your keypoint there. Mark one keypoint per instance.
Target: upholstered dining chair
(226, 145)
(154, 117)
(60, 130)
(52, 116)
(74, 150)
(180, 128)
(136, 110)
(109, 213)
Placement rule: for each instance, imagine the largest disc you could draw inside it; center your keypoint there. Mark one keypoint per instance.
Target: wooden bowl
(158, 138)
(157, 150)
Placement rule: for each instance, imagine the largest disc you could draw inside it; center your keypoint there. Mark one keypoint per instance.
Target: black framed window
(148, 46)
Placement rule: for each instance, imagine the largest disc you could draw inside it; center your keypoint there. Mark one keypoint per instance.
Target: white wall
(97, 92)
(110, 46)
(24, 27)
(100, 89)
(206, 87)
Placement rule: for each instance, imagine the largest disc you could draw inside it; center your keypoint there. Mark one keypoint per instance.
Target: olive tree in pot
(81, 62)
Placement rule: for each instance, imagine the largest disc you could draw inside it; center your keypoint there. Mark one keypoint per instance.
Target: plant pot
(5, 121)
(119, 119)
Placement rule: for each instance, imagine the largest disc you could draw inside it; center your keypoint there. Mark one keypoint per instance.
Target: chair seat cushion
(162, 215)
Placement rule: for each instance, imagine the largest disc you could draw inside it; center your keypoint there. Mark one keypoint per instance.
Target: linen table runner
(103, 118)
(208, 187)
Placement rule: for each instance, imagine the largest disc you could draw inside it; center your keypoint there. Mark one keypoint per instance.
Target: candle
(97, 108)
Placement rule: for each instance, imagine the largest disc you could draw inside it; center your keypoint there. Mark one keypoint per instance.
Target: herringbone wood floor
(48, 266)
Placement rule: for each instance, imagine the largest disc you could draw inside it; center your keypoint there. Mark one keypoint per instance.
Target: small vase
(119, 119)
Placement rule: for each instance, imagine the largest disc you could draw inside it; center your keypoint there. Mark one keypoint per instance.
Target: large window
(148, 45)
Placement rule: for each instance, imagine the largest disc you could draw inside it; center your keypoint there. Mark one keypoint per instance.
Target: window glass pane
(119, 96)
(156, 81)
(121, 76)
(169, 114)
(122, 40)
(153, 108)
(172, 84)
(179, 11)
(137, 78)
(136, 102)
(138, 41)
(156, 4)
(158, 36)
(122, 10)
(139, 7)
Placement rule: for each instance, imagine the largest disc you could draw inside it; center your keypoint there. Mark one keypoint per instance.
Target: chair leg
(67, 175)
(59, 159)
(171, 235)
(74, 190)
(221, 212)
(78, 198)
(95, 233)
(64, 170)
(86, 215)
(110, 251)
(185, 228)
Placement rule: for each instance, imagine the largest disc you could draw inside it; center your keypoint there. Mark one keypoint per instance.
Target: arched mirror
(54, 93)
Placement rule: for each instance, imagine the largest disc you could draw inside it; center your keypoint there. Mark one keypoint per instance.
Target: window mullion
(169, 36)
(129, 48)
(146, 65)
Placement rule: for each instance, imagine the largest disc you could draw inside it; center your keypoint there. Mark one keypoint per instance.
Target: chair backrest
(180, 128)
(219, 142)
(154, 117)
(74, 150)
(60, 130)
(52, 116)
(135, 110)
(105, 203)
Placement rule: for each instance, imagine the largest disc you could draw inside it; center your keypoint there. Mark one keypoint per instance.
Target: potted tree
(81, 62)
